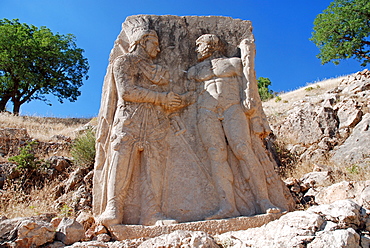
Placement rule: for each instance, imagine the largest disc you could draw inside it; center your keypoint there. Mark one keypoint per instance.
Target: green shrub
(27, 160)
(278, 99)
(263, 89)
(83, 149)
(33, 171)
(309, 88)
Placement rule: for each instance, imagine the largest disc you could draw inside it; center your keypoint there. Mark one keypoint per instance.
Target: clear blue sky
(282, 30)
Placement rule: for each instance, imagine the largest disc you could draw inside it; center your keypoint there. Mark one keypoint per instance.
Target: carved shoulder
(237, 64)
(125, 62)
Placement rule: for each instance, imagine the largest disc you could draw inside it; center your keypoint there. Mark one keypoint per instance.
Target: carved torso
(137, 81)
(220, 81)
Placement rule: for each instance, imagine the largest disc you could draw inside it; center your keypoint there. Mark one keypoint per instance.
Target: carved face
(152, 47)
(203, 50)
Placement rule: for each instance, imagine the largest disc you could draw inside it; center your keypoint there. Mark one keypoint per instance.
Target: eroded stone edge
(212, 227)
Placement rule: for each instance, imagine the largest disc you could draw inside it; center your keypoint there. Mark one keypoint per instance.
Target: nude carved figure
(224, 118)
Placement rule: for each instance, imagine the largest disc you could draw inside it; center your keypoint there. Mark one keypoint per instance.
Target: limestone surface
(181, 126)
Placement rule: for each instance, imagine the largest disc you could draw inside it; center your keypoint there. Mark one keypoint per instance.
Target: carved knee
(217, 154)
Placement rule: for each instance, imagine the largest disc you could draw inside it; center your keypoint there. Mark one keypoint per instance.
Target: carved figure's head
(207, 45)
(148, 39)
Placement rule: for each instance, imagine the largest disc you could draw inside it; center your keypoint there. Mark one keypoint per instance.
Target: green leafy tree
(35, 62)
(342, 31)
(263, 89)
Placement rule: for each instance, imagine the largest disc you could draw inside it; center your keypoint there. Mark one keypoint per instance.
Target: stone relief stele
(181, 125)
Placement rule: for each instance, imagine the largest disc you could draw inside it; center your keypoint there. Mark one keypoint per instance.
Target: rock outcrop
(330, 125)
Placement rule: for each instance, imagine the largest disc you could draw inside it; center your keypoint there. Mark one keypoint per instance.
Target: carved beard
(204, 54)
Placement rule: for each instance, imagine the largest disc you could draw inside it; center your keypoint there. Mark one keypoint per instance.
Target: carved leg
(213, 138)
(119, 177)
(153, 169)
(238, 134)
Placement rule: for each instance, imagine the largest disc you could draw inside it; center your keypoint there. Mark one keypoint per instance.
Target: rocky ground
(321, 139)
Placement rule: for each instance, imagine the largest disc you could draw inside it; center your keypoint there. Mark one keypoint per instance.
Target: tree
(35, 62)
(342, 31)
(263, 89)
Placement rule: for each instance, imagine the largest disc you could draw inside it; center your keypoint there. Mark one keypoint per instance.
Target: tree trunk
(3, 102)
(16, 107)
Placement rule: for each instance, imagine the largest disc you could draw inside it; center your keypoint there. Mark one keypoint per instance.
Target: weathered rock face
(353, 150)
(333, 124)
(176, 127)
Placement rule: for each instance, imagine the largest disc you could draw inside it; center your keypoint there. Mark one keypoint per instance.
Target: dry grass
(339, 173)
(43, 128)
(14, 203)
(273, 107)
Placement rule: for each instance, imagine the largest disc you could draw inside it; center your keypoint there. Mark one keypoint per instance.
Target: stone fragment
(69, 231)
(317, 179)
(365, 240)
(74, 179)
(59, 163)
(103, 237)
(100, 230)
(56, 221)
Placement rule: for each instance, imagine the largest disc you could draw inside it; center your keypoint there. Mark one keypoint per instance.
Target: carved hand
(173, 99)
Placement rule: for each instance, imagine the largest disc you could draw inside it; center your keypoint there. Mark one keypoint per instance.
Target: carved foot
(224, 214)
(268, 207)
(109, 218)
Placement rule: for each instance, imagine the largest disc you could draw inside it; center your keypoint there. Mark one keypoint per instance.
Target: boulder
(334, 239)
(317, 179)
(70, 231)
(25, 232)
(331, 225)
(345, 213)
(359, 192)
(59, 163)
(291, 230)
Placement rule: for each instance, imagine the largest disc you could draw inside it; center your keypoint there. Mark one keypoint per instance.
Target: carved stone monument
(181, 125)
